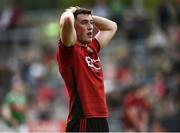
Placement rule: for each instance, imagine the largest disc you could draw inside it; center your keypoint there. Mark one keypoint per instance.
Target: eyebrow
(84, 20)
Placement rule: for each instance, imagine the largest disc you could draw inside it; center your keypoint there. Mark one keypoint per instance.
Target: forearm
(106, 30)
(104, 24)
(67, 30)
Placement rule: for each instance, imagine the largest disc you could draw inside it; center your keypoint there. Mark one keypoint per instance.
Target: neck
(83, 45)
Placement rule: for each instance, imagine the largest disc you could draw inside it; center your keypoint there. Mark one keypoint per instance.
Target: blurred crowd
(141, 69)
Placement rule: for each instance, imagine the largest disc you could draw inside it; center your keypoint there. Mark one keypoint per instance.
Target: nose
(90, 26)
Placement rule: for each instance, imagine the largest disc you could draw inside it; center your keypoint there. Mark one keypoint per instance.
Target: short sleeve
(65, 55)
(95, 45)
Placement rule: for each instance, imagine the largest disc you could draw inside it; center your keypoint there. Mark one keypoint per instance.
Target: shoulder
(95, 45)
(62, 47)
(61, 44)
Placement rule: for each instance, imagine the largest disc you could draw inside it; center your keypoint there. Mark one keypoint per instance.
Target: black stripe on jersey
(77, 106)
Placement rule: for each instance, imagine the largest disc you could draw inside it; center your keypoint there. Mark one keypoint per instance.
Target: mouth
(90, 34)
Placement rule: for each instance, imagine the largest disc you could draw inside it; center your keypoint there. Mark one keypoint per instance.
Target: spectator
(170, 122)
(45, 98)
(15, 106)
(10, 16)
(164, 14)
(136, 109)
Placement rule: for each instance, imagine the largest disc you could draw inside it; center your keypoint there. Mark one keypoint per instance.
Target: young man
(81, 70)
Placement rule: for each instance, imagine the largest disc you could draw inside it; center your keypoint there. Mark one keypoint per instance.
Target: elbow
(114, 26)
(67, 21)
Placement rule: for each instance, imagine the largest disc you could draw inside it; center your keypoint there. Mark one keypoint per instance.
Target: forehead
(84, 17)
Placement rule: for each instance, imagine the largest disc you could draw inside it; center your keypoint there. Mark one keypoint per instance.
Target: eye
(92, 22)
(87, 22)
(84, 22)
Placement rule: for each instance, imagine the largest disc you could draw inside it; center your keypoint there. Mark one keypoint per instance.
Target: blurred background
(141, 65)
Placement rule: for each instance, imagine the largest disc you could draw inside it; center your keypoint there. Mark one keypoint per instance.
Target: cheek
(80, 31)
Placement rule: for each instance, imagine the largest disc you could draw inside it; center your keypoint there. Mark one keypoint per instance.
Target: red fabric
(16, 14)
(159, 88)
(140, 104)
(83, 125)
(45, 93)
(81, 69)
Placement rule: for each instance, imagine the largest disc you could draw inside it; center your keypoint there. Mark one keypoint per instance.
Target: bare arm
(7, 116)
(67, 30)
(107, 29)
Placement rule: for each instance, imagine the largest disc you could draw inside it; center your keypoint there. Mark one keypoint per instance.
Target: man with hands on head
(80, 68)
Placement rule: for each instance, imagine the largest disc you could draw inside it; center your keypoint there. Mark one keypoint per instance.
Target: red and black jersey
(81, 70)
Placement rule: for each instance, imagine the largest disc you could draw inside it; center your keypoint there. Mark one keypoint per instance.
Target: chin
(89, 40)
(86, 41)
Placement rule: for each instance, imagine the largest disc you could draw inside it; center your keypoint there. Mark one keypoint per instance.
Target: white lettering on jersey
(93, 63)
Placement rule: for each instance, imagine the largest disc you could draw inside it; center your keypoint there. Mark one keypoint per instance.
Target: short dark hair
(82, 11)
